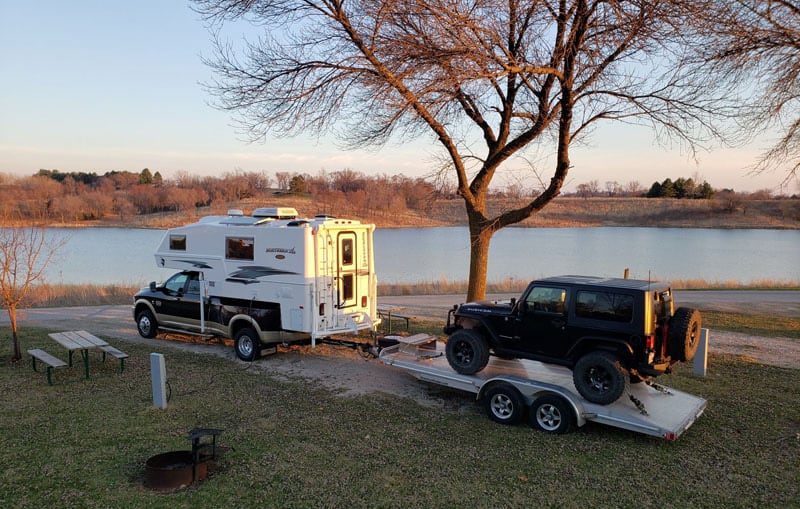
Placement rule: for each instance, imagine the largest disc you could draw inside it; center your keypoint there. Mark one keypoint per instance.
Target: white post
(701, 357)
(158, 373)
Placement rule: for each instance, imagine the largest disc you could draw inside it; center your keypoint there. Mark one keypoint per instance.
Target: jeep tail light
(650, 342)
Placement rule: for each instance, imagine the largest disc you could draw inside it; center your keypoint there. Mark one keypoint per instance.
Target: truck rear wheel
(684, 334)
(504, 404)
(552, 414)
(467, 351)
(247, 344)
(600, 377)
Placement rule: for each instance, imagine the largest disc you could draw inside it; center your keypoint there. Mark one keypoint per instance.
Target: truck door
(347, 270)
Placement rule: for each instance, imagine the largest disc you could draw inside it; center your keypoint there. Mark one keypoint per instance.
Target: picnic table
(78, 340)
(387, 310)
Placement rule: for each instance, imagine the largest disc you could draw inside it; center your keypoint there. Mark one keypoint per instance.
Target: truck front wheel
(467, 351)
(247, 344)
(600, 377)
(146, 324)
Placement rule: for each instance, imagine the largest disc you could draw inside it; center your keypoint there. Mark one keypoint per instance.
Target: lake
(411, 255)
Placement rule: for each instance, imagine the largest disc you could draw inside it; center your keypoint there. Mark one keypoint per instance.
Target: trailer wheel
(247, 344)
(504, 404)
(467, 351)
(684, 334)
(600, 377)
(146, 324)
(552, 414)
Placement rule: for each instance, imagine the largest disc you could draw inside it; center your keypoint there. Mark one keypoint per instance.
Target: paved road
(768, 302)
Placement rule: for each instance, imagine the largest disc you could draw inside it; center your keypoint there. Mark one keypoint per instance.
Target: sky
(101, 85)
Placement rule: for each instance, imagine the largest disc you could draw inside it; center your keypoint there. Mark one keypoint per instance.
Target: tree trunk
(480, 237)
(12, 316)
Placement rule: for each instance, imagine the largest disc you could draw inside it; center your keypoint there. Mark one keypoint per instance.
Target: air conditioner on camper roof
(276, 212)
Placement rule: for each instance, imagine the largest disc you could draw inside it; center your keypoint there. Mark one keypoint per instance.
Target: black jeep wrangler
(609, 331)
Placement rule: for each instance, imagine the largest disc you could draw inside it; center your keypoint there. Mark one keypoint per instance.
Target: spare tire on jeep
(467, 351)
(684, 334)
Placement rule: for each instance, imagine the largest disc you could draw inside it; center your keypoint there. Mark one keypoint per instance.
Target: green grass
(294, 444)
(756, 325)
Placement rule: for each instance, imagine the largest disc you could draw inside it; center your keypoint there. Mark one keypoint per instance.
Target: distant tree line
(681, 188)
(81, 196)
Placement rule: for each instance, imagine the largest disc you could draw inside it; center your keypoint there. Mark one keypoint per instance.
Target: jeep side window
(548, 300)
(613, 307)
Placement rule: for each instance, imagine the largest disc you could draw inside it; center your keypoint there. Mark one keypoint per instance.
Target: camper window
(347, 252)
(239, 248)
(177, 242)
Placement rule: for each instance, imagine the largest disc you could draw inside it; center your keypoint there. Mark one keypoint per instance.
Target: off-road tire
(146, 324)
(247, 344)
(684, 334)
(467, 351)
(504, 404)
(600, 377)
(551, 414)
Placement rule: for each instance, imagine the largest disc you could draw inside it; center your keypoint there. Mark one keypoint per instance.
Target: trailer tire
(504, 404)
(146, 324)
(247, 344)
(552, 414)
(684, 334)
(600, 377)
(467, 351)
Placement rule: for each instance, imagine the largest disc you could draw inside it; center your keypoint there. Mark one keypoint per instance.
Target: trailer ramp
(656, 411)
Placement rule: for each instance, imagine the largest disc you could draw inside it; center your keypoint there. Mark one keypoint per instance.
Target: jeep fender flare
(486, 330)
(595, 343)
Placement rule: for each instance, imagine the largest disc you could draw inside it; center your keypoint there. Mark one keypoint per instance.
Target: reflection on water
(119, 255)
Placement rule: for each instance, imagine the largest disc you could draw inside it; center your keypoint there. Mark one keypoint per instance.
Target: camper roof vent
(235, 212)
(275, 212)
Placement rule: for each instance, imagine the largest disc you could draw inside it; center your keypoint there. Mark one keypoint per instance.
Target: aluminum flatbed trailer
(509, 389)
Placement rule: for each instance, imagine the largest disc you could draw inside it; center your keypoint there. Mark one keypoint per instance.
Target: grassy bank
(290, 443)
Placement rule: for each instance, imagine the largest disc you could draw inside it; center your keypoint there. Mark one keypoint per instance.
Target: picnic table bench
(390, 312)
(114, 352)
(48, 360)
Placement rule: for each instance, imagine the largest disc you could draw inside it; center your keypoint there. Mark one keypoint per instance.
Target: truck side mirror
(523, 307)
(152, 286)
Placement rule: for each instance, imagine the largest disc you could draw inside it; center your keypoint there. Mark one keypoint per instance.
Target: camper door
(347, 269)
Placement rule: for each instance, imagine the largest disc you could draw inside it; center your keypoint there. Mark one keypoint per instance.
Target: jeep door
(542, 321)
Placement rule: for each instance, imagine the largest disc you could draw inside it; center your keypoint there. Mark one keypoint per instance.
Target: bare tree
(24, 254)
(756, 49)
(487, 79)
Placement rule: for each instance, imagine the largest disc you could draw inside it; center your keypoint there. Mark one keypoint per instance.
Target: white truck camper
(264, 279)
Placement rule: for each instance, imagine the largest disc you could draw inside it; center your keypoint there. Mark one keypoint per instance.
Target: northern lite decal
(281, 250)
(251, 274)
(192, 263)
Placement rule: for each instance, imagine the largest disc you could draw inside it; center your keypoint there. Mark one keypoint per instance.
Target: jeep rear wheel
(467, 351)
(684, 334)
(247, 344)
(600, 377)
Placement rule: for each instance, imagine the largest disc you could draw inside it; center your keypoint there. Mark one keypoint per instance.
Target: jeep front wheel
(600, 377)
(467, 351)
(247, 344)
(684, 334)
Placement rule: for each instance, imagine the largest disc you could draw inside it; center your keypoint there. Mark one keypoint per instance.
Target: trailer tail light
(363, 301)
(322, 309)
(650, 342)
